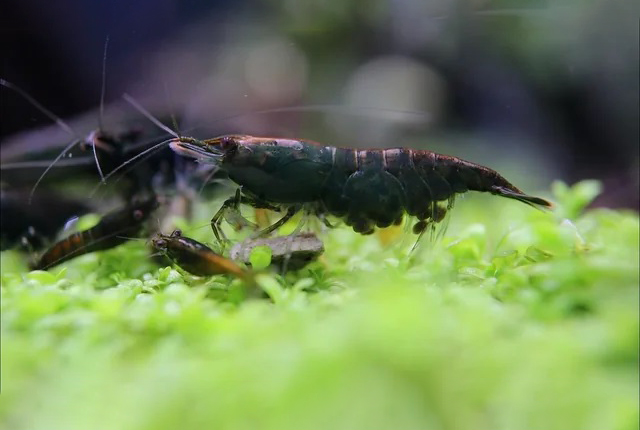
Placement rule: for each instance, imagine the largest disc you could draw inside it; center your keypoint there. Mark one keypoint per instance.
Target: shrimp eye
(227, 143)
(160, 243)
(138, 214)
(176, 233)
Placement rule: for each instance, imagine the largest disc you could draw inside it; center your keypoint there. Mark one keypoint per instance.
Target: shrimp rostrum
(365, 188)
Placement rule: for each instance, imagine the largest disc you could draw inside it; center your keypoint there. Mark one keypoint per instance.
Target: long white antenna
(41, 108)
(104, 83)
(146, 113)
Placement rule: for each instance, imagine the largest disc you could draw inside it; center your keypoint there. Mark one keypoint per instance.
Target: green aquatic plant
(516, 319)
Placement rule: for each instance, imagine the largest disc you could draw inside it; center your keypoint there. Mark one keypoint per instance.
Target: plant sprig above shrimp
(365, 188)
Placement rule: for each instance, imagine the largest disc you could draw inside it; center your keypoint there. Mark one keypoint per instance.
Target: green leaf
(42, 277)
(86, 222)
(573, 200)
(260, 257)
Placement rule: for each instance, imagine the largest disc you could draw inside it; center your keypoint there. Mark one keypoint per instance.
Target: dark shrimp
(110, 149)
(197, 258)
(367, 188)
(113, 229)
(161, 171)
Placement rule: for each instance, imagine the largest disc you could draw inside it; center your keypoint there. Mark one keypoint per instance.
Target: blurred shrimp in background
(538, 89)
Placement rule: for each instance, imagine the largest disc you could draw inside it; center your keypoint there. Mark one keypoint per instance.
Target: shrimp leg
(276, 225)
(230, 211)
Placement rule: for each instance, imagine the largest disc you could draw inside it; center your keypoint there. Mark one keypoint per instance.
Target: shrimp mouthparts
(195, 151)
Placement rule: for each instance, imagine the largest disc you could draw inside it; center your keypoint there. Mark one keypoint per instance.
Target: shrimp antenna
(61, 124)
(129, 161)
(94, 136)
(168, 101)
(129, 99)
(80, 161)
(341, 108)
(149, 116)
(95, 158)
(52, 117)
(179, 164)
(39, 106)
(104, 83)
(139, 239)
(66, 149)
(337, 108)
(208, 178)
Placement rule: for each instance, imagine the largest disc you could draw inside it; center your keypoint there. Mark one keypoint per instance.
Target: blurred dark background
(538, 89)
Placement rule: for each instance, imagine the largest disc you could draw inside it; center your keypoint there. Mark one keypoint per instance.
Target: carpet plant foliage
(515, 319)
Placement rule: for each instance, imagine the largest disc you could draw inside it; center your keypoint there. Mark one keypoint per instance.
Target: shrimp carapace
(366, 188)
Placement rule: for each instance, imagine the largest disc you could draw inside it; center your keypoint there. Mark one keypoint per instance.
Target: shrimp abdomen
(462, 175)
